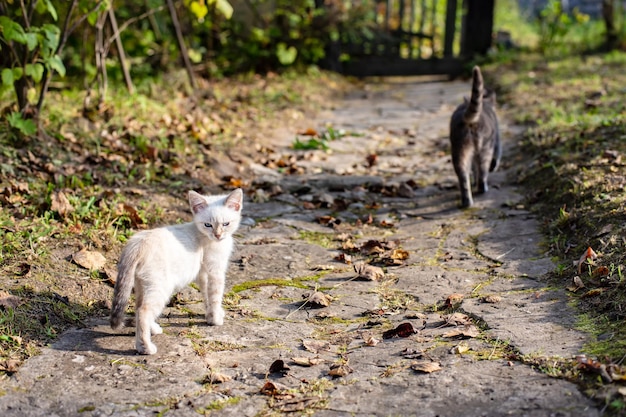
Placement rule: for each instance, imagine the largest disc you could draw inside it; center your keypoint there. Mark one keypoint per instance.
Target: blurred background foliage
(75, 43)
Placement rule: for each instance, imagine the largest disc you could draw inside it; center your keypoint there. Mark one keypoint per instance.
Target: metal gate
(411, 37)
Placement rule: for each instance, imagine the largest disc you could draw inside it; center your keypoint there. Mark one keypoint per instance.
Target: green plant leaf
(51, 38)
(26, 126)
(51, 9)
(286, 56)
(224, 7)
(56, 64)
(7, 77)
(35, 71)
(12, 31)
(199, 9)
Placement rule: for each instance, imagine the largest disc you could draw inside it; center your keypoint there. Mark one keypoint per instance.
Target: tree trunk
(608, 14)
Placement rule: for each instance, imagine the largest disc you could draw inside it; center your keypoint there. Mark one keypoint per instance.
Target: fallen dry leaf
(601, 271)
(426, 366)
(340, 370)
(301, 361)
(131, 212)
(315, 346)
(592, 365)
(491, 299)
(577, 284)
(371, 159)
(8, 300)
(454, 300)
(342, 257)
(369, 272)
(410, 353)
(403, 330)
(319, 299)
(588, 255)
(309, 131)
(465, 331)
(456, 319)
(460, 349)
(10, 365)
(371, 341)
(273, 389)
(278, 366)
(216, 378)
(399, 254)
(60, 203)
(91, 260)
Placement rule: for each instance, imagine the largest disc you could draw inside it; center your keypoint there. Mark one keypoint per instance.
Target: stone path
(485, 261)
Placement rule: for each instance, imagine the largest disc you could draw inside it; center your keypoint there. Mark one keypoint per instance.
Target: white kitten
(162, 261)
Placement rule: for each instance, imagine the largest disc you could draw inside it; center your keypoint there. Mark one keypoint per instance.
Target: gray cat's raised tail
(475, 106)
(124, 284)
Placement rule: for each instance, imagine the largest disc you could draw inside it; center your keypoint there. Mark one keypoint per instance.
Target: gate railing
(413, 37)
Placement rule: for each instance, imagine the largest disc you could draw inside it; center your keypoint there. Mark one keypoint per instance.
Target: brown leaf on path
(601, 271)
(273, 389)
(91, 260)
(588, 255)
(460, 349)
(111, 274)
(402, 330)
(465, 331)
(232, 183)
(132, 213)
(456, 319)
(315, 346)
(319, 299)
(216, 378)
(342, 257)
(592, 365)
(399, 254)
(577, 284)
(368, 272)
(10, 365)
(301, 361)
(593, 292)
(491, 299)
(371, 341)
(340, 370)
(454, 300)
(309, 131)
(410, 353)
(329, 221)
(8, 300)
(278, 366)
(426, 366)
(371, 159)
(60, 203)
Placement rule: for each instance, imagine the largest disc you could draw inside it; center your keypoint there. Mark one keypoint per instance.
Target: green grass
(571, 159)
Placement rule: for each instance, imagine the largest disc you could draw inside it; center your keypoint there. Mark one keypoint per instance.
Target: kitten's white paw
(155, 329)
(216, 318)
(148, 349)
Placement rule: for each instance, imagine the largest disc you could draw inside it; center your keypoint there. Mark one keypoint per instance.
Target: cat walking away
(475, 139)
(161, 261)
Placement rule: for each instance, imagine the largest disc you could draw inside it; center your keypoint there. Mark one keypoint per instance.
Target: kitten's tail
(124, 284)
(475, 106)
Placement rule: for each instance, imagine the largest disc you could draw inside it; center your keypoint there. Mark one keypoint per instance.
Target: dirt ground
(459, 297)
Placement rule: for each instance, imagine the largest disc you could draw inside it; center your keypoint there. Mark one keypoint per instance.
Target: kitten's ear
(197, 202)
(234, 200)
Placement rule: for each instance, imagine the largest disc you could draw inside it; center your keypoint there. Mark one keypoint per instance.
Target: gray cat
(475, 139)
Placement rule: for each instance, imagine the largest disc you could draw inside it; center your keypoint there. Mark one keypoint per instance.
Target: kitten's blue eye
(208, 225)
(225, 224)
